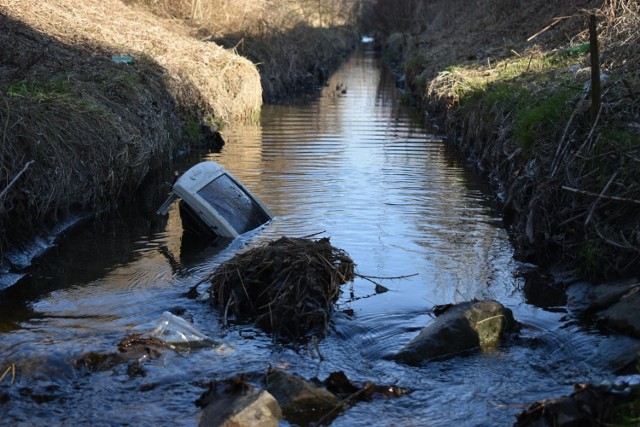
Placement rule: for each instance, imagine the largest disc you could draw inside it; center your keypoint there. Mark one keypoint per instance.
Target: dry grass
(288, 68)
(227, 85)
(231, 16)
(84, 130)
(288, 285)
(88, 128)
(296, 45)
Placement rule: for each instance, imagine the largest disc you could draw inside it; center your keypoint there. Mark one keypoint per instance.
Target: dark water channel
(357, 166)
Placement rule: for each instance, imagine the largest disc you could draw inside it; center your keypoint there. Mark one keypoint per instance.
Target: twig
(553, 23)
(611, 242)
(595, 69)
(6, 125)
(590, 136)
(316, 345)
(225, 320)
(626, 242)
(529, 63)
(193, 291)
(15, 178)
(362, 276)
(313, 234)
(370, 278)
(588, 193)
(573, 218)
(11, 368)
(597, 201)
(562, 146)
(344, 404)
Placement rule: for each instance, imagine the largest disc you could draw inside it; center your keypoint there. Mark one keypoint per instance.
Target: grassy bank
(81, 131)
(295, 45)
(520, 104)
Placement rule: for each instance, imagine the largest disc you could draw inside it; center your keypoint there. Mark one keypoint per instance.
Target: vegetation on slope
(96, 94)
(514, 93)
(296, 45)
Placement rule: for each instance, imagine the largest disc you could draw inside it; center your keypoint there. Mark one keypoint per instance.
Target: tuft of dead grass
(288, 285)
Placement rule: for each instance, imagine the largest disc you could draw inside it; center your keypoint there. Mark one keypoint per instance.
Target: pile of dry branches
(288, 285)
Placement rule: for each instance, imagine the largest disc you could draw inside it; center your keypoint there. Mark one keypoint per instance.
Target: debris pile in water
(289, 285)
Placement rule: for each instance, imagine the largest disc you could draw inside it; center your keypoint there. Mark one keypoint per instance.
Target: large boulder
(463, 327)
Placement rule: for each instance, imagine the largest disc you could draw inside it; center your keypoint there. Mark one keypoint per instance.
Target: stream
(353, 164)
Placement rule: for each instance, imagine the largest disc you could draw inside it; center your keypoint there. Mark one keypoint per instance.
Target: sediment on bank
(94, 95)
(295, 45)
(522, 110)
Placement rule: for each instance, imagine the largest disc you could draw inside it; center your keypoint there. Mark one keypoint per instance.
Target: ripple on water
(358, 168)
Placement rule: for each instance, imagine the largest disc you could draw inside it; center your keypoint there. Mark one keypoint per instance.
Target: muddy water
(354, 165)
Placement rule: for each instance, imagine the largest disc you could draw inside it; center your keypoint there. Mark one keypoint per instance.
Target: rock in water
(302, 403)
(463, 327)
(614, 305)
(255, 408)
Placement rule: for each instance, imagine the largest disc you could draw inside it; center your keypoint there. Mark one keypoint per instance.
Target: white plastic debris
(176, 331)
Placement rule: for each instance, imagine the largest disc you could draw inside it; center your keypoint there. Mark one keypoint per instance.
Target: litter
(177, 332)
(215, 202)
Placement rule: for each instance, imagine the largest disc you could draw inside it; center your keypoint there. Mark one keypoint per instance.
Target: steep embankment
(295, 45)
(95, 94)
(80, 131)
(512, 86)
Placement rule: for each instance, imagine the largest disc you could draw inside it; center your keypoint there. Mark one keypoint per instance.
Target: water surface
(354, 165)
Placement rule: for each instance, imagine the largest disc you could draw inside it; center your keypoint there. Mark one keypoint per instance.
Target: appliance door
(233, 204)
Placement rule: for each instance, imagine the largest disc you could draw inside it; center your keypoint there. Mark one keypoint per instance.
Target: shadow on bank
(293, 61)
(81, 134)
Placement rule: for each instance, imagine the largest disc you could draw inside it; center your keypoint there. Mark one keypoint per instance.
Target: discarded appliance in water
(214, 202)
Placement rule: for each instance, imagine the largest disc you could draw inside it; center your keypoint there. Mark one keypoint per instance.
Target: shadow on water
(361, 168)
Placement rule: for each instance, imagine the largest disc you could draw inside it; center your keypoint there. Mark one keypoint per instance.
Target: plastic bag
(176, 331)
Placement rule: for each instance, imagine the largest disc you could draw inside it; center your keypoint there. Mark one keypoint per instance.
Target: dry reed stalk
(288, 285)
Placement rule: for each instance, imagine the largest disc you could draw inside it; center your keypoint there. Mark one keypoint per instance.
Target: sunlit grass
(535, 91)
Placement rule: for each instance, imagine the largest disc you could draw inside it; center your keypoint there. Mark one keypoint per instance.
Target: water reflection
(359, 168)
(355, 165)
